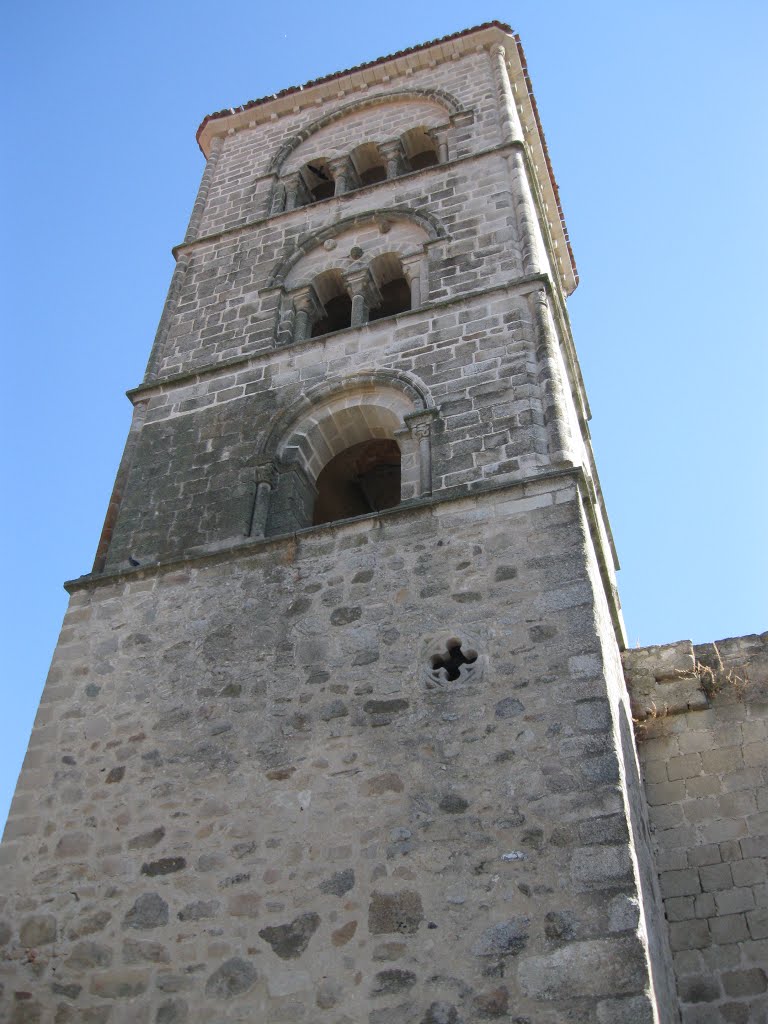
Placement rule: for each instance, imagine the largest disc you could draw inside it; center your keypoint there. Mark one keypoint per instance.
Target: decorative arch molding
(439, 96)
(287, 422)
(330, 419)
(430, 224)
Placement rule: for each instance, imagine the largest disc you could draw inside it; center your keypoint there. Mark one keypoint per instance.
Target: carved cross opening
(453, 659)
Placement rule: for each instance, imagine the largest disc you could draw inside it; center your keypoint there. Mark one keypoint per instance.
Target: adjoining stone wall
(703, 745)
(252, 795)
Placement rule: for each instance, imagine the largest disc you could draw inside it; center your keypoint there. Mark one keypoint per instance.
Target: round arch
(431, 225)
(439, 96)
(398, 390)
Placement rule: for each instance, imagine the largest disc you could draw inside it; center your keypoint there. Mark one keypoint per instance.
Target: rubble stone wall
(253, 794)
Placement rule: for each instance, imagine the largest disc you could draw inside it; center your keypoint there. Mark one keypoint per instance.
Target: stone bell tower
(336, 729)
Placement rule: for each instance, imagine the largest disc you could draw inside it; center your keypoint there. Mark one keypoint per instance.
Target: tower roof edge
(285, 101)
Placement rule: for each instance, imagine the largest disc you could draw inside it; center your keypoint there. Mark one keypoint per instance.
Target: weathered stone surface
(507, 938)
(135, 952)
(67, 1014)
(119, 984)
(89, 923)
(387, 782)
(149, 911)
(441, 1013)
(509, 707)
(395, 912)
(339, 883)
(632, 1010)
(234, 977)
(172, 1011)
(199, 910)
(334, 709)
(73, 844)
(69, 989)
(343, 616)
(290, 940)
(87, 954)
(341, 936)
(452, 803)
(492, 1004)
(163, 866)
(591, 968)
(37, 930)
(328, 994)
(392, 980)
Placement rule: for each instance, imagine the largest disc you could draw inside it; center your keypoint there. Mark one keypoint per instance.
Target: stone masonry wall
(703, 745)
(248, 796)
(241, 189)
(191, 478)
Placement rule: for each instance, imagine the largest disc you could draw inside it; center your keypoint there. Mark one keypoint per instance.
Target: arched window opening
(362, 479)
(330, 290)
(318, 180)
(369, 164)
(392, 284)
(420, 149)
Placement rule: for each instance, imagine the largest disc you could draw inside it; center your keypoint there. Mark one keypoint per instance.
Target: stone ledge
(247, 545)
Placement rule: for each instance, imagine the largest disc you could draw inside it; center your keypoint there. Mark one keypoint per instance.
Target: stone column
(364, 294)
(551, 383)
(265, 477)
(512, 132)
(392, 152)
(292, 188)
(420, 426)
(202, 193)
(525, 212)
(308, 309)
(412, 268)
(440, 135)
(340, 170)
(511, 128)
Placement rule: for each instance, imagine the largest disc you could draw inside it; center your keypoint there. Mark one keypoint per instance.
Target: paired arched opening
(393, 289)
(333, 300)
(335, 304)
(368, 164)
(419, 148)
(317, 182)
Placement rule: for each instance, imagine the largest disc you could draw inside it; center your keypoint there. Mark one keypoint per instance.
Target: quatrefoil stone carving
(451, 659)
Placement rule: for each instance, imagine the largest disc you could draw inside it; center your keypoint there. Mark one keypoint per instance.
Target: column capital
(420, 423)
(305, 300)
(390, 148)
(411, 264)
(265, 472)
(360, 282)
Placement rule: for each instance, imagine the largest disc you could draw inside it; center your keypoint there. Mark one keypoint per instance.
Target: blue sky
(655, 119)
